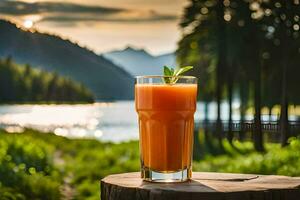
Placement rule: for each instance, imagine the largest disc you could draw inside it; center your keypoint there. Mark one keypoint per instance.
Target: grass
(33, 164)
(276, 160)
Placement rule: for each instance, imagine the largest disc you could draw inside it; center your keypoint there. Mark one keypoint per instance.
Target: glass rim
(162, 76)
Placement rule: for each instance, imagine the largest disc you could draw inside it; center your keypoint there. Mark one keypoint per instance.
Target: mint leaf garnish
(169, 71)
(183, 70)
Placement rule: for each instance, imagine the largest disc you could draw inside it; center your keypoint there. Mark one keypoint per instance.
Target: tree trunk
(257, 135)
(230, 91)
(219, 129)
(220, 65)
(284, 132)
(219, 123)
(243, 98)
(206, 134)
(208, 142)
(270, 113)
(203, 186)
(197, 146)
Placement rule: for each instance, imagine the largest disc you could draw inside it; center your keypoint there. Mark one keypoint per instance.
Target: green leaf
(169, 71)
(182, 70)
(172, 71)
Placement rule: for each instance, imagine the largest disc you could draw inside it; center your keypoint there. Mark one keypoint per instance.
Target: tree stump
(203, 186)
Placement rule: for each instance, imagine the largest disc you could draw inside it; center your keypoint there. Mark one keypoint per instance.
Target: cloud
(120, 17)
(23, 8)
(70, 13)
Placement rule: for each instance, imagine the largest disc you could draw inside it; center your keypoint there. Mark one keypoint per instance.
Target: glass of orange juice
(166, 123)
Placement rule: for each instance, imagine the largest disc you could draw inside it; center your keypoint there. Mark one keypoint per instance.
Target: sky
(103, 25)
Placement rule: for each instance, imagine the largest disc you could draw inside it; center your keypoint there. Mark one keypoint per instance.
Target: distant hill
(139, 61)
(106, 80)
(23, 84)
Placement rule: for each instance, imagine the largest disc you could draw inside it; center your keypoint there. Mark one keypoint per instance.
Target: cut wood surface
(203, 186)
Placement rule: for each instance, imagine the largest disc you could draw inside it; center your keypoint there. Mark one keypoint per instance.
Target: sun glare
(28, 24)
(30, 1)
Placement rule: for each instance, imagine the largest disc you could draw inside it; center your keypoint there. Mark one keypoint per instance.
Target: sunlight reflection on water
(104, 121)
(114, 122)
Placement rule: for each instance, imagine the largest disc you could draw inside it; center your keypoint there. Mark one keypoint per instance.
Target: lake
(115, 122)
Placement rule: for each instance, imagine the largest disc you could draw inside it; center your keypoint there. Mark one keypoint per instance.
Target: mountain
(23, 84)
(140, 62)
(52, 53)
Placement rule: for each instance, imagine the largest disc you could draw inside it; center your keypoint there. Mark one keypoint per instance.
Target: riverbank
(22, 103)
(33, 164)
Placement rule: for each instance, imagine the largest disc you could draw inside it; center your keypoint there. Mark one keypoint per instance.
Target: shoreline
(64, 102)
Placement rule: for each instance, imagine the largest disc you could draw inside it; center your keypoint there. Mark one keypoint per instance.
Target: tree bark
(284, 106)
(243, 98)
(270, 113)
(230, 91)
(222, 48)
(208, 142)
(208, 186)
(257, 135)
(197, 146)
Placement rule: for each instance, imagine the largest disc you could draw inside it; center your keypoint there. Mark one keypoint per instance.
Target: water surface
(114, 122)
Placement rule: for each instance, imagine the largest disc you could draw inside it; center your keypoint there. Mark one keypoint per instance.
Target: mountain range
(52, 53)
(139, 62)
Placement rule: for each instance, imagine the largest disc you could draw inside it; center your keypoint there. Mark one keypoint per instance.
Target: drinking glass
(166, 123)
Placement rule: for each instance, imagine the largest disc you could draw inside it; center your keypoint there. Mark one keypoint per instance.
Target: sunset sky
(103, 25)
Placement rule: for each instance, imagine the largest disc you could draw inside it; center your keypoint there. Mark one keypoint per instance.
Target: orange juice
(166, 122)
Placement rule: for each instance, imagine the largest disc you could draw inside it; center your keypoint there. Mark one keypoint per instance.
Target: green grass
(276, 160)
(27, 170)
(36, 165)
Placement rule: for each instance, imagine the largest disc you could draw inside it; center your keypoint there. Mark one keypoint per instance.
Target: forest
(244, 49)
(23, 84)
